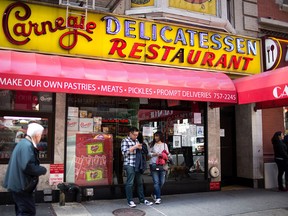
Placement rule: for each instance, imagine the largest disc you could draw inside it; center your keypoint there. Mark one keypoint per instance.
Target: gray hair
(34, 128)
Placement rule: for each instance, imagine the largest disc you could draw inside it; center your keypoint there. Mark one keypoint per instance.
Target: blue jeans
(158, 181)
(131, 175)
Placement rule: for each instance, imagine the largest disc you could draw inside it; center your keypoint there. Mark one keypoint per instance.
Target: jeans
(131, 175)
(158, 181)
(24, 203)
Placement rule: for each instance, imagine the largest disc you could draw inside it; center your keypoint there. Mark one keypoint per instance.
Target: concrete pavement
(228, 202)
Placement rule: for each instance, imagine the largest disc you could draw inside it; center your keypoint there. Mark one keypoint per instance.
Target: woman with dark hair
(281, 159)
(158, 153)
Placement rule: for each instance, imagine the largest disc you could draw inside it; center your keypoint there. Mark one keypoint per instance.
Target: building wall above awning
(267, 90)
(51, 73)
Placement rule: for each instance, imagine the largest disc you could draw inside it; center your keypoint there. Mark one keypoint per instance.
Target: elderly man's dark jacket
(24, 168)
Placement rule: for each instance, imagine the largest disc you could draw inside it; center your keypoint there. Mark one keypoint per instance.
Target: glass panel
(230, 12)
(93, 117)
(184, 134)
(90, 117)
(13, 129)
(26, 101)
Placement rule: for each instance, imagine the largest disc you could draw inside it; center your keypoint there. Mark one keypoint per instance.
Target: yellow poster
(142, 3)
(201, 6)
(95, 148)
(94, 175)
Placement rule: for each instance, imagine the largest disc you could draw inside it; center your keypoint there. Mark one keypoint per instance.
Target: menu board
(94, 159)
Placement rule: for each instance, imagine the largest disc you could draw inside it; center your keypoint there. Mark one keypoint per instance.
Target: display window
(96, 126)
(17, 110)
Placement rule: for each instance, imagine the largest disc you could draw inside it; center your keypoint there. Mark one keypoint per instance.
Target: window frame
(50, 135)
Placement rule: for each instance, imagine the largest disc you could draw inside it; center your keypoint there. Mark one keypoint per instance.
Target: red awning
(267, 90)
(51, 73)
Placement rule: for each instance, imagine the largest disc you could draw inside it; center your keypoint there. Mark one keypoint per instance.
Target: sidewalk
(236, 202)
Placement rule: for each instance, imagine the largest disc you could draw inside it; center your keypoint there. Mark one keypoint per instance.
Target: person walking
(23, 171)
(281, 159)
(129, 147)
(158, 153)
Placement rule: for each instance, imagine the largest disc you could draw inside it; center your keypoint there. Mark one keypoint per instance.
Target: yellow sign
(94, 175)
(43, 28)
(201, 6)
(95, 148)
(141, 3)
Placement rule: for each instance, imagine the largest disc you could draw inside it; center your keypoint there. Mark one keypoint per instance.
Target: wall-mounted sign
(43, 28)
(56, 174)
(275, 52)
(200, 6)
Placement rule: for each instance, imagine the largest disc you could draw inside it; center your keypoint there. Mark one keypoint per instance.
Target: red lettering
(90, 26)
(235, 62)
(26, 29)
(222, 60)
(135, 49)
(152, 51)
(19, 29)
(74, 40)
(27, 14)
(59, 23)
(196, 58)
(118, 46)
(208, 58)
(72, 21)
(246, 63)
(166, 52)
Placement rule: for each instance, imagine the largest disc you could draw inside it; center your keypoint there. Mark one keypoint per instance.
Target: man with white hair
(23, 171)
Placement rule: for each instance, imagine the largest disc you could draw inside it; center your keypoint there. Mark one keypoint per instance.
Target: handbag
(170, 160)
(156, 167)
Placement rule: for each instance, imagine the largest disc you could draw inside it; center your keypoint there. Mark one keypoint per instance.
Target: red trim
(268, 89)
(50, 73)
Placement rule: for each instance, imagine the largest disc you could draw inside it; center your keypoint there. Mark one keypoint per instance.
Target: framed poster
(185, 142)
(177, 141)
(200, 131)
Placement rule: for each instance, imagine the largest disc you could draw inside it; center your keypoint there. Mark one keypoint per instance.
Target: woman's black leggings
(282, 168)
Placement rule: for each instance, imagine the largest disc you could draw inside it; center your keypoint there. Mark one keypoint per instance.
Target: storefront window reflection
(17, 109)
(26, 101)
(97, 124)
(13, 129)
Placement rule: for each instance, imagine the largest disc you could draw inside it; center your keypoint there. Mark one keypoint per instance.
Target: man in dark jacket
(23, 171)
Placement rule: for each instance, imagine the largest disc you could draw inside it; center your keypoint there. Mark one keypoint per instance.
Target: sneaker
(131, 204)
(153, 197)
(148, 203)
(158, 201)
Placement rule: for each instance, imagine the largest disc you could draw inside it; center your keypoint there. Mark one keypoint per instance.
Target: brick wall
(273, 120)
(268, 8)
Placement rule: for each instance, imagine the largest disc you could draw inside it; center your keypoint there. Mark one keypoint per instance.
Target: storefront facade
(91, 80)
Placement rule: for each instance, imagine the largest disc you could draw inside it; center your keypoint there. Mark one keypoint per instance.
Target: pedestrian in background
(23, 171)
(281, 159)
(158, 153)
(129, 147)
(141, 155)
